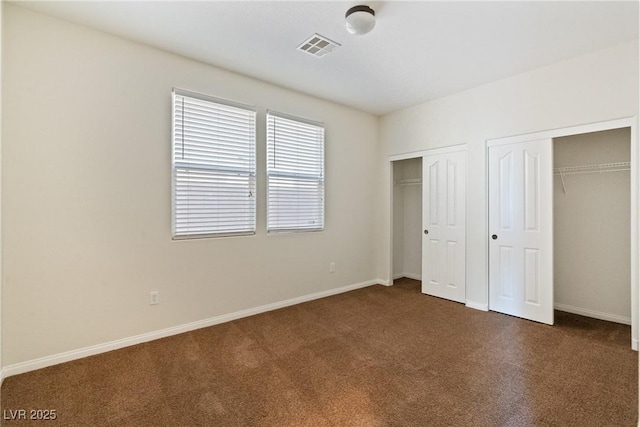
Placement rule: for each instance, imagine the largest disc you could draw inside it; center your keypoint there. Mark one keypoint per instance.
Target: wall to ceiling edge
(592, 88)
(86, 189)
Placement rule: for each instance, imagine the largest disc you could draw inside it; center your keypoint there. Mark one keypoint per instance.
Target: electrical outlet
(332, 267)
(153, 298)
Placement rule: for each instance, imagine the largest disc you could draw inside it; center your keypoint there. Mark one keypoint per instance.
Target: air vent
(318, 45)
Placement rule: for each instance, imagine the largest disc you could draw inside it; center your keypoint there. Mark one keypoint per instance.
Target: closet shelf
(603, 167)
(413, 181)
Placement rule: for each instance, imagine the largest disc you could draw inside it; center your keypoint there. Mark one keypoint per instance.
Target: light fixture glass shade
(360, 20)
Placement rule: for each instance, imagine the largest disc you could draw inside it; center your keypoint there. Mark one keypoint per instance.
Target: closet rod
(403, 182)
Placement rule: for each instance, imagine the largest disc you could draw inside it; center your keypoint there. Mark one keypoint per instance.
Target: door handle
(494, 236)
(426, 231)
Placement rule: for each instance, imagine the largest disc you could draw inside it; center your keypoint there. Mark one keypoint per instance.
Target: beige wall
(86, 195)
(1, 300)
(592, 258)
(596, 87)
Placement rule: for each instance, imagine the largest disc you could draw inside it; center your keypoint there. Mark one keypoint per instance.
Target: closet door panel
(521, 230)
(443, 242)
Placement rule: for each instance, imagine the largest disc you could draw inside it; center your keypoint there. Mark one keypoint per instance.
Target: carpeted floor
(379, 356)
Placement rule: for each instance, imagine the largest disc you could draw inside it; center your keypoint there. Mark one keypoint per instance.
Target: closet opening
(407, 222)
(563, 213)
(592, 224)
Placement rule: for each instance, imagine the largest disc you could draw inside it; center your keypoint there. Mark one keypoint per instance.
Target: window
(214, 167)
(295, 174)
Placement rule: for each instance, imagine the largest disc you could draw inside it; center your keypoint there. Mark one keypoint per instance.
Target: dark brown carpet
(379, 356)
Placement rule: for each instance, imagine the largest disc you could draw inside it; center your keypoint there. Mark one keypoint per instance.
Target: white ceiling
(418, 50)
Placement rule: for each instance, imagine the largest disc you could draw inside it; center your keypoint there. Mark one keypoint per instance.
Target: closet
(560, 223)
(591, 209)
(429, 221)
(407, 218)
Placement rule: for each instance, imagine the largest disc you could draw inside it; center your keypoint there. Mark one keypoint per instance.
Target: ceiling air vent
(318, 45)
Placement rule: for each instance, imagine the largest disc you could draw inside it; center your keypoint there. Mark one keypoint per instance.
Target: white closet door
(521, 230)
(443, 220)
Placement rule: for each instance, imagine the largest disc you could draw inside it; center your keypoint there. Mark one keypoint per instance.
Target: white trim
(296, 118)
(67, 356)
(569, 131)
(630, 122)
(216, 100)
(389, 247)
(635, 233)
(383, 282)
(430, 152)
(412, 276)
(477, 305)
(592, 313)
(408, 276)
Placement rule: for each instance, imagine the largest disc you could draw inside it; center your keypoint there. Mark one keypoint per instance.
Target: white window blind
(214, 167)
(295, 174)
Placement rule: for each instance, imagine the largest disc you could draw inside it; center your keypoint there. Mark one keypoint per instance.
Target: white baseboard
(67, 356)
(477, 305)
(592, 313)
(383, 282)
(634, 345)
(408, 276)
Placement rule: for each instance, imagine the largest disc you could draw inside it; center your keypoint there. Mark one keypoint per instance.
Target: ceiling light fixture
(360, 19)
